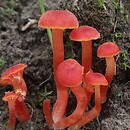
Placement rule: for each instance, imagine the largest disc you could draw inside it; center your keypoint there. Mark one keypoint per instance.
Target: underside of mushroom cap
(58, 19)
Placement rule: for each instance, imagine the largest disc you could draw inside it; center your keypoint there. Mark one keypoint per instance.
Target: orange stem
(87, 55)
(47, 113)
(12, 117)
(76, 115)
(110, 71)
(89, 116)
(62, 92)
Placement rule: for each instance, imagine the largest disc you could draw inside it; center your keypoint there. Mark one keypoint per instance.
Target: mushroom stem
(62, 92)
(110, 71)
(86, 55)
(21, 110)
(12, 117)
(47, 113)
(89, 116)
(61, 103)
(76, 115)
(58, 48)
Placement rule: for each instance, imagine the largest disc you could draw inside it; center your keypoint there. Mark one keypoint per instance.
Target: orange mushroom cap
(10, 96)
(5, 77)
(69, 73)
(58, 19)
(84, 33)
(95, 78)
(107, 49)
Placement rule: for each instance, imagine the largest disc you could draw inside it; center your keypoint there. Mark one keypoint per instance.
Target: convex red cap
(69, 73)
(84, 33)
(58, 19)
(95, 78)
(107, 49)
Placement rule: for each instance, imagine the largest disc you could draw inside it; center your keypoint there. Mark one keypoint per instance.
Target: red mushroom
(85, 34)
(11, 97)
(14, 76)
(69, 74)
(108, 50)
(58, 21)
(95, 79)
(21, 110)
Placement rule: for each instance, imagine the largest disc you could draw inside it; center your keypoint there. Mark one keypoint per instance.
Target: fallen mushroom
(108, 50)
(58, 21)
(70, 74)
(85, 34)
(11, 97)
(95, 79)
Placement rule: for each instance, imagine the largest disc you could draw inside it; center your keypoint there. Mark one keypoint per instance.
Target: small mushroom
(70, 74)
(58, 21)
(108, 50)
(11, 97)
(85, 34)
(96, 80)
(14, 76)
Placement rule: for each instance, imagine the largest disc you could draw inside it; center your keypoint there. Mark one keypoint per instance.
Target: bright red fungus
(70, 74)
(96, 80)
(58, 21)
(85, 34)
(11, 97)
(14, 76)
(108, 50)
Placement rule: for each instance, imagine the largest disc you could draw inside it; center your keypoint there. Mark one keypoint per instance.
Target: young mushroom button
(70, 74)
(108, 50)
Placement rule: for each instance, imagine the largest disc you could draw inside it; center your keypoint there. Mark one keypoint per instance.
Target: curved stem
(62, 92)
(21, 110)
(47, 113)
(12, 117)
(110, 71)
(61, 103)
(89, 116)
(76, 115)
(87, 55)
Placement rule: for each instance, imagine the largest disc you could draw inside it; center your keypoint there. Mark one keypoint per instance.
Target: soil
(32, 47)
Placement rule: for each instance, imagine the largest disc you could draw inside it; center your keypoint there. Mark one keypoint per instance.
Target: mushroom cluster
(69, 74)
(17, 107)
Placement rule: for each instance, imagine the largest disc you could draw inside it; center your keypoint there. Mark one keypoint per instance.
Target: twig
(30, 23)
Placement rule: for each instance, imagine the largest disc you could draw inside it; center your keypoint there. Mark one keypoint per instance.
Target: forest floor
(32, 47)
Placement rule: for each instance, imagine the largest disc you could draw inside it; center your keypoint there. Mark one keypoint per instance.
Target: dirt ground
(32, 47)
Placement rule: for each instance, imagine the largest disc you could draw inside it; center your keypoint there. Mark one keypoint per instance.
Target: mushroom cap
(69, 73)
(107, 49)
(95, 78)
(84, 33)
(12, 71)
(58, 19)
(10, 96)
